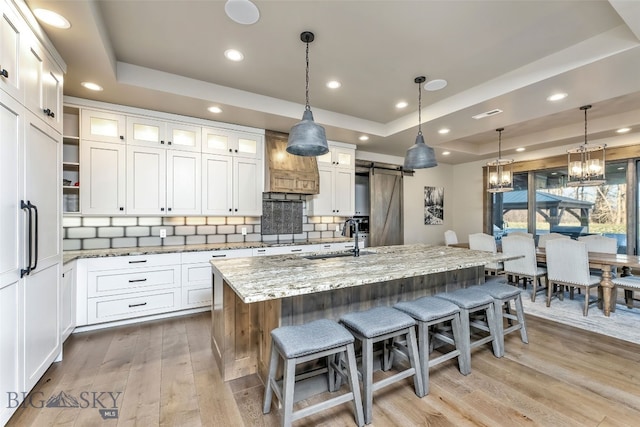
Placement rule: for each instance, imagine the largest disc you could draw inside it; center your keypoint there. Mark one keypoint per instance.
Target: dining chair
(568, 265)
(525, 266)
(597, 243)
(487, 243)
(544, 238)
(450, 237)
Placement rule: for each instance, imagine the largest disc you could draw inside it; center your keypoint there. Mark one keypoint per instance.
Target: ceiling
(167, 55)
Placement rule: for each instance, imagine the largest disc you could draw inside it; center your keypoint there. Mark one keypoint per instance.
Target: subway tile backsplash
(122, 232)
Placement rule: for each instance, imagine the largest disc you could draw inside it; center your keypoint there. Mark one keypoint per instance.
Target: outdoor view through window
(574, 211)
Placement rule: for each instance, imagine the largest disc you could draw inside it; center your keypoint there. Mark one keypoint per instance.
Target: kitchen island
(252, 296)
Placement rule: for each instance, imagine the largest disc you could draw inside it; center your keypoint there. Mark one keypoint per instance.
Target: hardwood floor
(167, 376)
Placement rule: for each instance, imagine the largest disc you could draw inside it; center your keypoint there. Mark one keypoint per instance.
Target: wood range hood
(287, 173)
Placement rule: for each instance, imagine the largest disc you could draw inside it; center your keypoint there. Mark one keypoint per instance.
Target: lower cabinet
(68, 300)
(196, 275)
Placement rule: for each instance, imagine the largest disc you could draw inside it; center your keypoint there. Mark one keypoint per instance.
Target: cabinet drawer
(196, 297)
(133, 261)
(132, 280)
(196, 274)
(123, 307)
(285, 250)
(206, 256)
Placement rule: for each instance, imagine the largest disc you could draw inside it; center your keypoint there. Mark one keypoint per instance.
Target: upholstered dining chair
(487, 243)
(544, 238)
(568, 265)
(597, 243)
(525, 266)
(450, 237)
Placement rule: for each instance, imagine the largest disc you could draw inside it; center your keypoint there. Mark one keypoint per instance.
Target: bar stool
(429, 313)
(502, 294)
(302, 343)
(472, 301)
(381, 324)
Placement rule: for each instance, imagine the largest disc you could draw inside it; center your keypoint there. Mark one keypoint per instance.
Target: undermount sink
(335, 255)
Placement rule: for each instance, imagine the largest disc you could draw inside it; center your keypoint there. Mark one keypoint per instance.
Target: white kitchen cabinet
(231, 185)
(362, 197)
(126, 287)
(336, 170)
(162, 182)
(103, 176)
(196, 275)
(68, 300)
(229, 142)
(42, 83)
(102, 126)
(149, 132)
(10, 39)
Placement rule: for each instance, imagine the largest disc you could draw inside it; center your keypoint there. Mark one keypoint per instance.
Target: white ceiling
(167, 55)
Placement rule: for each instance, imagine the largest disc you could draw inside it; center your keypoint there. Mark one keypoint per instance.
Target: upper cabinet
(103, 126)
(42, 84)
(337, 183)
(10, 35)
(223, 141)
(158, 133)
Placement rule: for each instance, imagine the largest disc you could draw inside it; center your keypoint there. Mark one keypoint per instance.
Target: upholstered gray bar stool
(381, 324)
(302, 343)
(502, 294)
(471, 302)
(429, 313)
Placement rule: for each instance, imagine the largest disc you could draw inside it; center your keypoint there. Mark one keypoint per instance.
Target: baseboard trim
(124, 322)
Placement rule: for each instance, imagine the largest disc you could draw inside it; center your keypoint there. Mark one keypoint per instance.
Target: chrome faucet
(354, 222)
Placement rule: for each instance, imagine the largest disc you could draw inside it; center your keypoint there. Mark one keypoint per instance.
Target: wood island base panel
(252, 296)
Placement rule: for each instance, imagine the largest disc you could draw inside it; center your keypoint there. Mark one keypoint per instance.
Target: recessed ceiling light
(91, 86)
(554, 173)
(621, 168)
(52, 18)
(242, 11)
(233, 55)
(623, 130)
(520, 150)
(402, 104)
(363, 138)
(444, 131)
(446, 153)
(333, 84)
(556, 97)
(487, 114)
(435, 84)
(215, 110)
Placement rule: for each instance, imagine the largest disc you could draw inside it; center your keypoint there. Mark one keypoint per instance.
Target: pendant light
(420, 155)
(307, 138)
(586, 163)
(499, 175)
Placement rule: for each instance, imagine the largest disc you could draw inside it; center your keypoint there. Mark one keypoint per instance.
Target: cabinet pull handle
(161, 142)
(137, 262)
(121, 209)
(296, 250)
(230, 210)
(4, 73)
(27, 206)
(47, 111)
(261, 250)
(236, 209)
(168, 142)
(122, 137)
(218, 256)
(137, 280)
(236, 150)
(230, 150)
(137, 305)
(169, 209)
(161, 209)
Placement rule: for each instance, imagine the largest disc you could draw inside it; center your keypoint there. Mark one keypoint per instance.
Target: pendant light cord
(499, 144)
(419, 110)
(307, 106)
(585, 127)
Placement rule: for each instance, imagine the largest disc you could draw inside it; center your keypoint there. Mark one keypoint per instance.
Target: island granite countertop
(273, 277)
(68, 256)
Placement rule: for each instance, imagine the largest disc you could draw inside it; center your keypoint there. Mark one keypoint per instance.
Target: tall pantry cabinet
(30, 206)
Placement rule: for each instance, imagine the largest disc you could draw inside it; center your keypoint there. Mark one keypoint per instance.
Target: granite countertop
(68, 256)
(273, 277)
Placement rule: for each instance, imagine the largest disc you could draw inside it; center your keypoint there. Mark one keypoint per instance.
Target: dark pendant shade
(307, 138)
(420, 155)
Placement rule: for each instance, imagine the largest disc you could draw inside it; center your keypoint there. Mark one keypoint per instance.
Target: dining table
(602, 261)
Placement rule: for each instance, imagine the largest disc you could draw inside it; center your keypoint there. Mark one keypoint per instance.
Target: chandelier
(586, 163)
(499, 175)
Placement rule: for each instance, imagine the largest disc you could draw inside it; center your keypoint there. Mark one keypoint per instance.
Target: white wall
(415, 231)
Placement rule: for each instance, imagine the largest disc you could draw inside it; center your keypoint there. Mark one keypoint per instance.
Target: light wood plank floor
(168, 377)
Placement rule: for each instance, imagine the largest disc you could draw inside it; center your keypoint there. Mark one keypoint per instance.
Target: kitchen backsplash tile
(117, 232)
